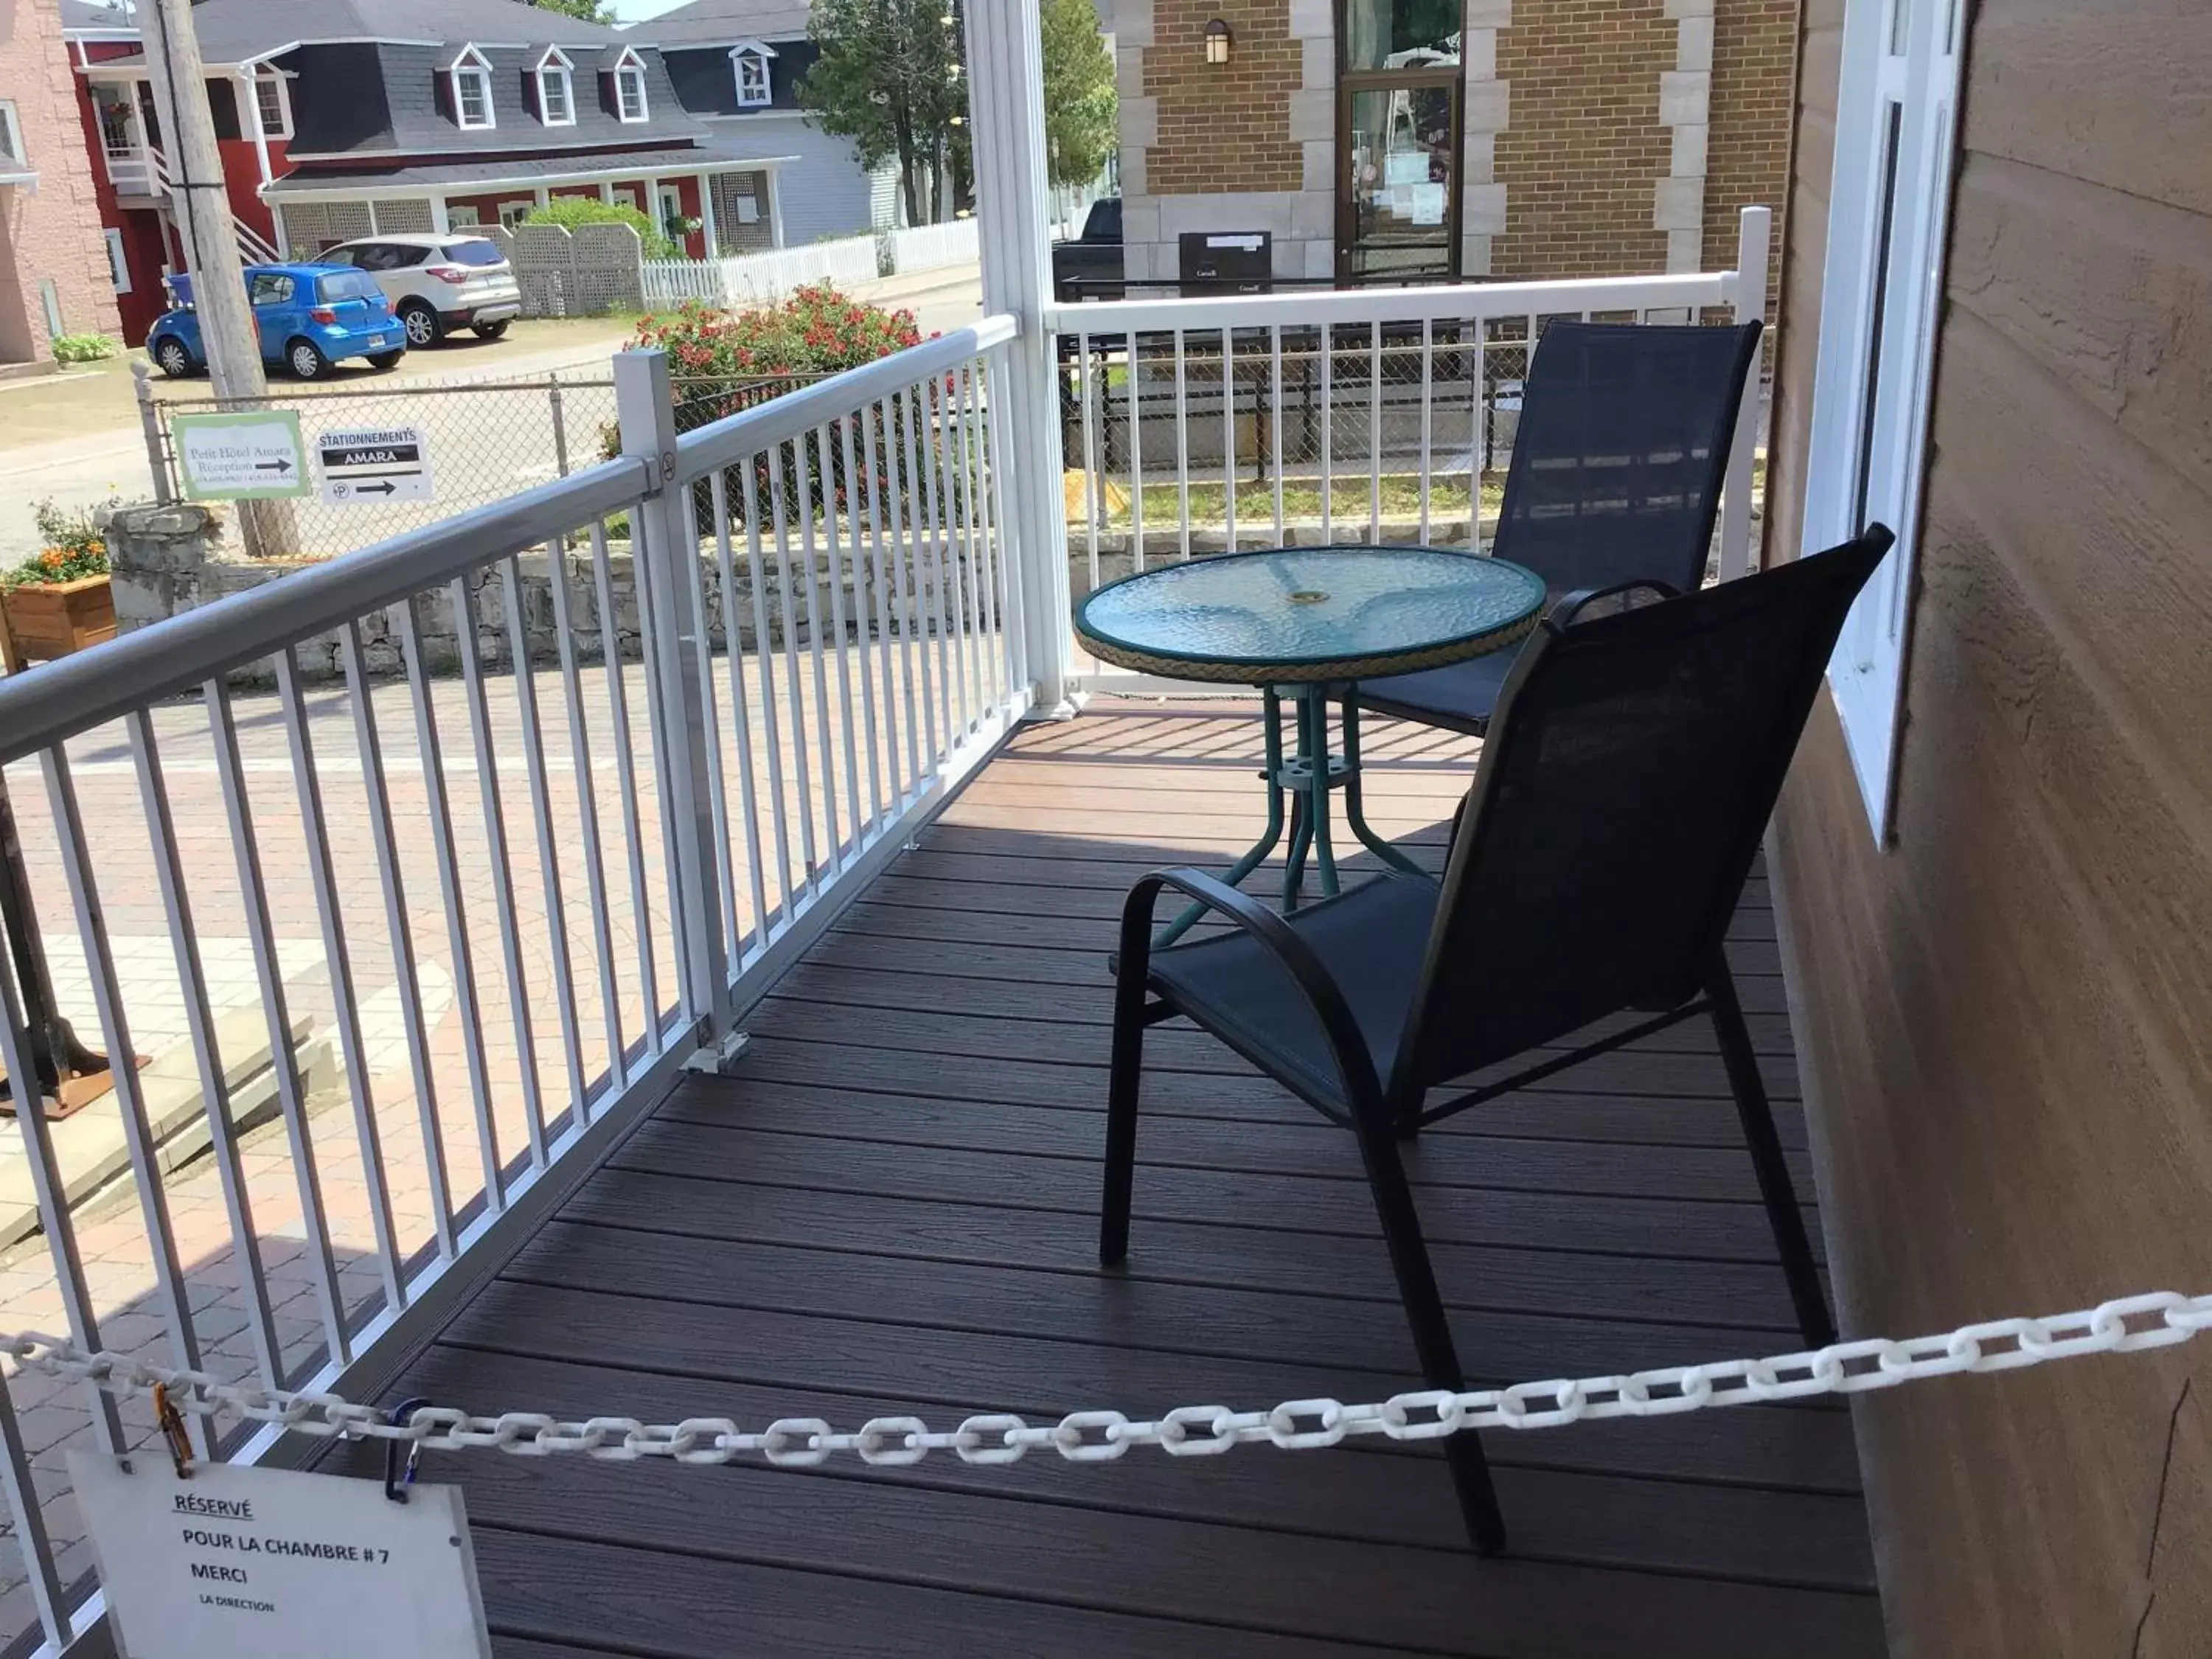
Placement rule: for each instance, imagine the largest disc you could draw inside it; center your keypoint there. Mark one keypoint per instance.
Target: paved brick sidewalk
(112, 1235)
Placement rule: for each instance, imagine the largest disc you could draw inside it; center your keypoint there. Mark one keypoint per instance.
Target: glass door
(1398, 138)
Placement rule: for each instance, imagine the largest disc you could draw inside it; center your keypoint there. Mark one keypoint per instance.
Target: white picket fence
(750, 278)
(926, 247)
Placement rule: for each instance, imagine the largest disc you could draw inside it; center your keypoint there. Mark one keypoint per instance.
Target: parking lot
(76, 437)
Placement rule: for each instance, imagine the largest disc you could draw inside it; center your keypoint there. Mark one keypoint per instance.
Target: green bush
(83, 348)
(569, 211)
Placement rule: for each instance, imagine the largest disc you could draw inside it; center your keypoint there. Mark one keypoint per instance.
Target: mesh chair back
(1628, 776)
(1618, 458)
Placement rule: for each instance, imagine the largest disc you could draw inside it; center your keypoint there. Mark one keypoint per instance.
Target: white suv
(438, 282)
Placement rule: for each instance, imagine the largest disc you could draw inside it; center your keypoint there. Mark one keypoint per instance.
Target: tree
(888, 77)
(1082, 112)
(591, 11)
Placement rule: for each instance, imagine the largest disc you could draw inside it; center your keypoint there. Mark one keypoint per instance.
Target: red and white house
(344, 119)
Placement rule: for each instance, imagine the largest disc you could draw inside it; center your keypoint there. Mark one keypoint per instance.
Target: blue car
(308, 316)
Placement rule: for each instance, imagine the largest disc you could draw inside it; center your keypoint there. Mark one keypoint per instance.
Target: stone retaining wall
(167, 560)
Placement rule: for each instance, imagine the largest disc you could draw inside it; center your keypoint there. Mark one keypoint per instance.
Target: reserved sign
(232, 1561)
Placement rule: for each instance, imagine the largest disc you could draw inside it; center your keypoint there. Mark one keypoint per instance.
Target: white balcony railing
(451, 935)
(137, 170)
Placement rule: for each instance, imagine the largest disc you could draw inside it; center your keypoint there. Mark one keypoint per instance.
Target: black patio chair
(1615, 477)
(1613, 819)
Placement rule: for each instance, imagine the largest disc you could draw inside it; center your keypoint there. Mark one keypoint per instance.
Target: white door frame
(1888, 229)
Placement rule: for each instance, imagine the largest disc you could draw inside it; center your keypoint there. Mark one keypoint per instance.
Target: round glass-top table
(1307, 623)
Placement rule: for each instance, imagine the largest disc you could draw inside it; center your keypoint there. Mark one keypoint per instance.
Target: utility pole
(202, 201)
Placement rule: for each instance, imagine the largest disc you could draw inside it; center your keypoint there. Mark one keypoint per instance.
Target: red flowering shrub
(723, 363)
(715, 354)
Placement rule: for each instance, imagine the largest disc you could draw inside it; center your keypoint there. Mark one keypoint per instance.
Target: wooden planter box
(37, 622)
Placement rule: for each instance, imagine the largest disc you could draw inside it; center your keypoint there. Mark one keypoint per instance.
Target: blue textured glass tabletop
(1311, 613)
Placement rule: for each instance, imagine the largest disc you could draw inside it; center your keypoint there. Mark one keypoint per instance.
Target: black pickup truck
(1095, 255)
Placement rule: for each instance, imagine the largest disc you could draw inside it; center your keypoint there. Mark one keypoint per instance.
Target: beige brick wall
(1223, 127)
(1604, 137)
(1584, 147)
(50, 232)
(1747, 155)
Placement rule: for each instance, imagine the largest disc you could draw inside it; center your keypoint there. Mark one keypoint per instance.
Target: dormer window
(629, 87)
(471, 73)
(754, 91)
(556, 89)
(272, 103)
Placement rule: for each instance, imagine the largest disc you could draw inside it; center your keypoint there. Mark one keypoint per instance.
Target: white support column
(666, 538)
(607, 192)
(252, 94)
(542, 198)
(439, 220)
(772, 181)
(707, 216)
(1005, 94)
(1754, 229)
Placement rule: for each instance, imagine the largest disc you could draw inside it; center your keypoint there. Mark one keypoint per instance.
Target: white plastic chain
(2153, 1320)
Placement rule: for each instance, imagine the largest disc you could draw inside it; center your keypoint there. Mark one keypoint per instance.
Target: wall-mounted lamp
(1219, 40)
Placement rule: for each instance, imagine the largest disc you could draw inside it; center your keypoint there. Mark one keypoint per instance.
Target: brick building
(55, 277)
(1388, 140)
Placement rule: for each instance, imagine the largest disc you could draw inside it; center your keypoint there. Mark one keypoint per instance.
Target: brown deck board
(1747, 1295)
(891, 1207)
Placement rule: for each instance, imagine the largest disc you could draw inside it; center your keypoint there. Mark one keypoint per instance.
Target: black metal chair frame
(1381, 1113)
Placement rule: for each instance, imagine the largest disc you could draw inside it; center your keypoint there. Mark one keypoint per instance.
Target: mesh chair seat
(1370, 940)
(1459, 698)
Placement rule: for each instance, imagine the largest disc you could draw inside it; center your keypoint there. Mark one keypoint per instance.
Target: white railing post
(1006, 108)
(1754, 226)
(664, 546)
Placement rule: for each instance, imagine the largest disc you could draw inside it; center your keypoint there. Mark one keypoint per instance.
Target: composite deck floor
(891, 1207)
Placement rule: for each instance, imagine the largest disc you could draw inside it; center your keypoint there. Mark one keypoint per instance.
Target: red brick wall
(1747, 151)
(1223, 127)
(1584, 148)
(52, 233)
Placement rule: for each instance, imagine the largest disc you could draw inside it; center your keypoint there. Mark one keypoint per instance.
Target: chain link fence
(485, 441)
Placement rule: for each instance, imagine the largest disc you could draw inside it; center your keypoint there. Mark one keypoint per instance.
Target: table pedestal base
(1305, 780)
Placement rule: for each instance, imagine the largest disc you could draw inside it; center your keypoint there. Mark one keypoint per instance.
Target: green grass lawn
(1348, 499)
(1256, 502)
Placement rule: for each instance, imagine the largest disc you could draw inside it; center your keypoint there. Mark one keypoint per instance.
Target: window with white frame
(1889, 214)
(556, 90)
(471, 73)
(629, 87)
(12, 158)
(754, 91)
(272, 100)
(118, 262)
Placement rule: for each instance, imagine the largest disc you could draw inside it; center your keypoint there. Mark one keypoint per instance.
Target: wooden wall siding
(2007, 1019)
